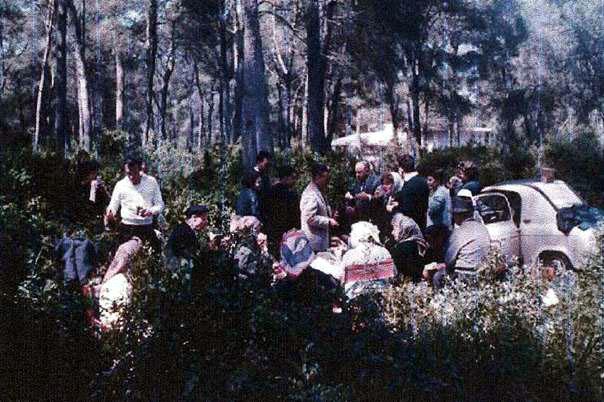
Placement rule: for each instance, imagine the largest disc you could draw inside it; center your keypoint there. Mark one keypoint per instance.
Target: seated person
(408, 247)
(468, 246)
(251, 248)
(183, 240)
(367, 264)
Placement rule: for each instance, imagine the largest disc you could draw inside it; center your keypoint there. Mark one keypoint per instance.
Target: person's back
(413, 200)
(474, 187)
(182, 241)
(439, 207)
(248, 202)
(284, 213)
(469, 245)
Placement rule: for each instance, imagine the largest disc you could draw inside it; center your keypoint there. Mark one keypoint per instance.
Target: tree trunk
(52, 7)
(83, 93)
(201, 95)
(334, 110)
(393, 105)
(2, 64)
(225, 90)
(210, 116)
(315, 62)
(238, 67)
(256, 133)
(151, 45)
(417, 127)
(61, 133)
(165, 87)
(120, 81)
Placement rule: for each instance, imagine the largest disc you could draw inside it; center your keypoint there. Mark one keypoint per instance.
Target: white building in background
(435, 138)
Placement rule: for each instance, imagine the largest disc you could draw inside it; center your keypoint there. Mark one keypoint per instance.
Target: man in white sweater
(138, 199)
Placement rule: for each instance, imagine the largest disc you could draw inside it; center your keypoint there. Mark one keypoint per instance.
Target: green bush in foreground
(237, 339)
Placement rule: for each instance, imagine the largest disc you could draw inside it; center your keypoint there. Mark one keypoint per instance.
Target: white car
(539, 221)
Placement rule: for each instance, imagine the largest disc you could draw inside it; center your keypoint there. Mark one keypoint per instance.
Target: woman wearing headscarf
(408, 247)
(250, 250)
(367, 264)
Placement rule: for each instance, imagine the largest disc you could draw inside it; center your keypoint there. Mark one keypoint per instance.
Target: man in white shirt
(138, 199)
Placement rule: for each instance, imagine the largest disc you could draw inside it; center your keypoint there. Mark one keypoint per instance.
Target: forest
(276, 74)
(198, 88)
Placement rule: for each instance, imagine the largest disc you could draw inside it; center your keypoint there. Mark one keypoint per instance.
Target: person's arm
(455, 244)
(436, 205)
(254, 204)
(114, 204)
(158, 202)
(310, 206)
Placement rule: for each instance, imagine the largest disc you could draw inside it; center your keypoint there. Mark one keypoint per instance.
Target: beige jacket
(315, 214)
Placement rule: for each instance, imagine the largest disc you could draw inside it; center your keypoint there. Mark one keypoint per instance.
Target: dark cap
(196, 210)
(462, 205)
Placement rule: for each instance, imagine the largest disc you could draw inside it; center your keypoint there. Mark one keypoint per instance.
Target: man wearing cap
(469, 243)
(138, 199)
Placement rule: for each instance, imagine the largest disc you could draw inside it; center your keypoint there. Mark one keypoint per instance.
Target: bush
(234, 339)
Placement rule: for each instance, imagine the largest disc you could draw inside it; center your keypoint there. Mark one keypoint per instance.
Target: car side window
(493, 208)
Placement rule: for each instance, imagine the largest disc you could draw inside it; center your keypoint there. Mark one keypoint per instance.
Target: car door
(495, 211)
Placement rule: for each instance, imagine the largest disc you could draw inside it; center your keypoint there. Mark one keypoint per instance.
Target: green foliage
(233, 339)
(580, 163)
(494, 166)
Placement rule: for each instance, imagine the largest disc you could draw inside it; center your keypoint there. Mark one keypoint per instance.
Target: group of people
(399, 224)
(428, 224)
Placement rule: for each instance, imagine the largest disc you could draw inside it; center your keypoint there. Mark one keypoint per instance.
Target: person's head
(361, 170)
(263, 160)
(463, 209)
(435, 178)
(245, 224)
(468, 171)
(88, 171)
(197, 217)
(287, 176)
(251, 180)
(406, 163)
(132, 168)
(320, 175)
(387, 179)
(404, 228)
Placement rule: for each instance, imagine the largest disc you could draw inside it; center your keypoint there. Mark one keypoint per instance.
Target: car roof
(557, 193)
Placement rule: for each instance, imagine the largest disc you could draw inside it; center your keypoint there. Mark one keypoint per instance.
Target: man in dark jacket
(413, 197)
(183, 240)
(263, 165)
(361, 193)
(284, 208)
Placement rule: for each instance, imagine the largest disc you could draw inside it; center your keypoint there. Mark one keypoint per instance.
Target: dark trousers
(143, 232)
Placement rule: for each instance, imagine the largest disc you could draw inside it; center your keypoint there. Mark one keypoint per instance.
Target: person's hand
(391, 206)
(333, 223)
(348, 196)
(262, 241)
(109, 217)
(145, 213)
(363, 196)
